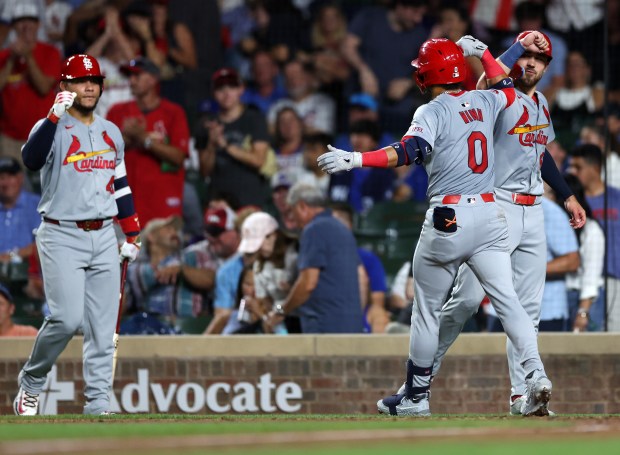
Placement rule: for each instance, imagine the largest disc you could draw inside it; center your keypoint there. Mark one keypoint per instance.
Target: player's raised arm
(528, 41)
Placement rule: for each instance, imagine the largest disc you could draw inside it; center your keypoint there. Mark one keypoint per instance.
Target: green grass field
(304, 434)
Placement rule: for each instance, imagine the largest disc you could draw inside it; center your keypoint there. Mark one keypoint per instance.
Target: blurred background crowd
(246, 94)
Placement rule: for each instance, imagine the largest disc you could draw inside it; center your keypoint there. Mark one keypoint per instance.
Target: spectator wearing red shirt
(156, 137)
(29, 70)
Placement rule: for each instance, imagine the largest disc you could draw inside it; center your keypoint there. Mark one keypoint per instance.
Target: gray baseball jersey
(81, 165)
(459, 128)
(521, 134)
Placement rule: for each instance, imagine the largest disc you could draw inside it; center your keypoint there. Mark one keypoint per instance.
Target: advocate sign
(189, 397)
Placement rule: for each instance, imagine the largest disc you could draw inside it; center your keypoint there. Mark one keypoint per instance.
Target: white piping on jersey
(120, 171)
(122, 192)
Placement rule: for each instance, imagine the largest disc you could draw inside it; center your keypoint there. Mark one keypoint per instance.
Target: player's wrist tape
(491, 67)
(376, 158)
(514, 53)
(53, 117)
(130, 226)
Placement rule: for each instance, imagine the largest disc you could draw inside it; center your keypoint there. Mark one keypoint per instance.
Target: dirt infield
(448, 429)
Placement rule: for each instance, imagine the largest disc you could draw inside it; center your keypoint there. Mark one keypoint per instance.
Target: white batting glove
(472, 46)
(64, 100)
(337, 160)
(129, 251)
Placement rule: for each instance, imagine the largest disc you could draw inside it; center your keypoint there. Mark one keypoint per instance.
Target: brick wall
(583, 383)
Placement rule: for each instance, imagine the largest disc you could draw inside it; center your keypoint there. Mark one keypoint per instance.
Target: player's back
(459, 128)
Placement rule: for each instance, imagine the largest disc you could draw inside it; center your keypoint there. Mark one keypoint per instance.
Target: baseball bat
(118, 318)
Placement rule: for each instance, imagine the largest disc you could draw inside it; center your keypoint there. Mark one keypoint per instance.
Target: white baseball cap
(255, 230)
(25, 10)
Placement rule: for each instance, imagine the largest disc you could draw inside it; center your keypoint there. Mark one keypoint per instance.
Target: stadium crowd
(225, 106)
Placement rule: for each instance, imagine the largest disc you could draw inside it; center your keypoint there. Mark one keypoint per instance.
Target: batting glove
(130, 251)
(472, 46)
(64, 100)
(337, 160)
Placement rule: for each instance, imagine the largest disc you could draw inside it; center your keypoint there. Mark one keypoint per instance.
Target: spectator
(604, 200)
(530, 15)
(56, 14)
(18, 213)
(288, 140)
(227, 281)
(170, 45)
(278, 26)
(233, 146)
(595, 135)
(7, 327)
(327, 290)
(384, 68)
(168, 281)
(361, 107)
(280, 185)
(156, 138)
(363, 187)
(248, 312)
(562, 258)
(317, 110)
(266, 87)
(454, 22)
(401, 299)
(376, 316)
(7, 10)
(314, 145)
(586, 303)
(111, 49)
(29, 70)
(575, 102)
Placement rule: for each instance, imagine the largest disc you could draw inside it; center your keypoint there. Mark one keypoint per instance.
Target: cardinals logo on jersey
(83, 161)
(527, 133)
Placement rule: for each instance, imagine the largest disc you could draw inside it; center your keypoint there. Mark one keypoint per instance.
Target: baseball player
(521, 163)
(452, 136)
(84, 185)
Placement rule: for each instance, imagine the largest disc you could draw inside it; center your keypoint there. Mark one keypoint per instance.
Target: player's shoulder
(107, 124)
(542, 99)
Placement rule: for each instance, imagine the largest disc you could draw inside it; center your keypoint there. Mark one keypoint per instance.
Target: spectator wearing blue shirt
(586, 162)
(227, 282)
(327, 290)
(18, 213)
(562, 258)
(363, 187)
(267, 85)
(376, 316)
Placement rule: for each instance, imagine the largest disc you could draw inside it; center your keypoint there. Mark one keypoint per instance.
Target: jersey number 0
(477, 168)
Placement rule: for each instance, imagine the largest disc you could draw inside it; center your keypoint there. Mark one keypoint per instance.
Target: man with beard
(84, 185)
(157, 137)
(521, 164)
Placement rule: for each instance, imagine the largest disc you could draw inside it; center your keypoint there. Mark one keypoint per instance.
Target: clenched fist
(64, 100)
(337, 160)
(471, 46)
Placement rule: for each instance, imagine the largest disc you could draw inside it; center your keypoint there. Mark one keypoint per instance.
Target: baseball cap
(25, 11)
(9, 165)
(219, 220)
(5, 292)
(363, 100)
(139, 65)
(157, 223)
(280, 180)
(255, 229)
(225, 77)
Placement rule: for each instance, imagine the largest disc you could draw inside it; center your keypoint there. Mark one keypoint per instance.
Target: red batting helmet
(548, 52)
(80, 65)
(440, 61)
